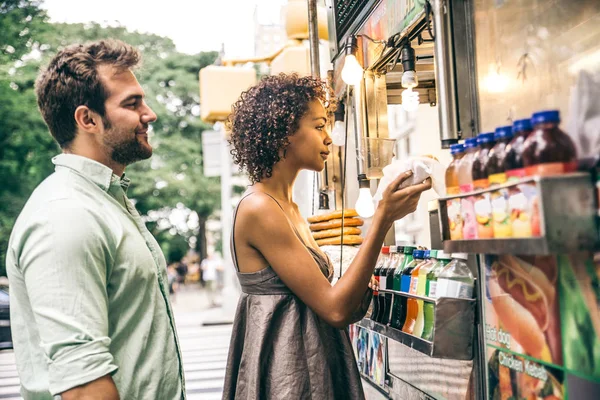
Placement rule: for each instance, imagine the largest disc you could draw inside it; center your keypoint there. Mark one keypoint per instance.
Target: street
(204, 348)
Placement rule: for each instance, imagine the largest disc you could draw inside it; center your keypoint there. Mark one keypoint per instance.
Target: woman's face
(309, 145)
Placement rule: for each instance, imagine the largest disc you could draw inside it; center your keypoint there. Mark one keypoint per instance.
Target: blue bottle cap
(503, 132)
(485, 137)
(418, 254)
(457, 149)
(470, 143)
(545, 116)
(522, 125)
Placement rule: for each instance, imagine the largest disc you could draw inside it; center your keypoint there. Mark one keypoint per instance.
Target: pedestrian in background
(289, 337)
(210, 267)
(90, 313)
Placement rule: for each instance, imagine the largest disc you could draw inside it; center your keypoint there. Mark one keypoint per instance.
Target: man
(89, 295)
(210, 267)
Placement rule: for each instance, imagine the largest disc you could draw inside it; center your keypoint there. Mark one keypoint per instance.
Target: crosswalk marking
(204, 351)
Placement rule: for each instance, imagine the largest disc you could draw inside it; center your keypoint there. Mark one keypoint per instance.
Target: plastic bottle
(412, 307)
(381, 264)
(485, 142)
(399, 307)
(443, 259)
(513, 160)
(387, 282)
(501, 223)
(452, 187)
(548, 150)
(421, 287)
(495, 164)
(456, 279)
(465, 181)
(465, 166)
(483, 205)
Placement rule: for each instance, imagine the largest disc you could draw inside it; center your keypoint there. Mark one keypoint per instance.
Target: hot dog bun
(336, 223)
(349, 212)
(348, 240)
(335, 232)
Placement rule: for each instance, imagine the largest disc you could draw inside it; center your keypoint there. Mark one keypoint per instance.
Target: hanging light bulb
(364, 204)
(338, 133)
(410, 100)
(352, 72)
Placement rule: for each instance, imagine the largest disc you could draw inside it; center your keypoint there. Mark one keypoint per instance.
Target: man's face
(127, 117)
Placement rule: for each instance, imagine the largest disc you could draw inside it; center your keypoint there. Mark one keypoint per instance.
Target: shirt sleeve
(65, 259)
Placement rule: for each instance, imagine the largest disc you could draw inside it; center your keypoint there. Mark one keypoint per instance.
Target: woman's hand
(397, 203)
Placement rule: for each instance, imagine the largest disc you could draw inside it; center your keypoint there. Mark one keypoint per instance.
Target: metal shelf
(568, 211)
(454, 324)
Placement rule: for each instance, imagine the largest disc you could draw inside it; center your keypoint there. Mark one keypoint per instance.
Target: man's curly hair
(266, 115)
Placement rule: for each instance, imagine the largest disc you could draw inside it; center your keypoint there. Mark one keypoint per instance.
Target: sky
(193, 25)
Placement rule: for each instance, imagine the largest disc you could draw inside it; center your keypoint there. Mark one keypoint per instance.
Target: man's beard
(124, 152)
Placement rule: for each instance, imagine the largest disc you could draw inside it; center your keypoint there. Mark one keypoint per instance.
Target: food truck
(416, 78)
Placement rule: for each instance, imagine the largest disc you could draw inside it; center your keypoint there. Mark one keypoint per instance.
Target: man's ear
(88, 120)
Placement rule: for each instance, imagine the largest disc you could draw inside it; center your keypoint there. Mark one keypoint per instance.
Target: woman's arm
(268, 230)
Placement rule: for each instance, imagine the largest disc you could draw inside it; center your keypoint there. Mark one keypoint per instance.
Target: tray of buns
(336, 228)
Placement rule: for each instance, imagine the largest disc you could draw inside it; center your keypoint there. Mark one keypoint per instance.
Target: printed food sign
(542, 327)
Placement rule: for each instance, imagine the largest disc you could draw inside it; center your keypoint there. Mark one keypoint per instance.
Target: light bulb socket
(323, 200)
(363, 182)
(351, 47)
(407, 56)
(340, 112)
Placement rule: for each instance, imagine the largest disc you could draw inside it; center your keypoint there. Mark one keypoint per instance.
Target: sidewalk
(191, 304)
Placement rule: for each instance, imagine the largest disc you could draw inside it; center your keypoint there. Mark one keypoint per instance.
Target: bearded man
(90, 313)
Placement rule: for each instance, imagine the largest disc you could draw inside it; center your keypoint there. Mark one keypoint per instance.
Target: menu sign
(542, 326)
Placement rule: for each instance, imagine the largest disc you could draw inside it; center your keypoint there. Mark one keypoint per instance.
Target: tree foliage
(171, 180)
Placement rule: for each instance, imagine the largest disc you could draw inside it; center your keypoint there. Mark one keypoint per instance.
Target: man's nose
(148, 116)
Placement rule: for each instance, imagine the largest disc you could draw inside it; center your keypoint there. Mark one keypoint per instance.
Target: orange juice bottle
(412, 307)
(452, 188)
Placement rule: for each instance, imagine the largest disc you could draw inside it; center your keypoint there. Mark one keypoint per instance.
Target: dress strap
(232, 242)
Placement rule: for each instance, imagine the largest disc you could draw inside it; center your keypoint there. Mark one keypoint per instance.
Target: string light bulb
(352, 72)
(338, 133)
(364, 204)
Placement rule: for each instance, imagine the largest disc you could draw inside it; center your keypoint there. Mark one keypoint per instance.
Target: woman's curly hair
(266, 115)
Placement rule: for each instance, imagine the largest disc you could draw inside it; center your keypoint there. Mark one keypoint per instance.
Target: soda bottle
(456, 279)
(383, 282)
(412, 308)
(465, 181)
(382, 262)
(387, 283)
(419, 283)
(457, 151)
(399, 307)
(483, 206)
(548, 150)
(513, 160)
(430, 288)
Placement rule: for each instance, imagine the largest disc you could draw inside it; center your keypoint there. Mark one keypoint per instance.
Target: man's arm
(65, 258)
(100, 389)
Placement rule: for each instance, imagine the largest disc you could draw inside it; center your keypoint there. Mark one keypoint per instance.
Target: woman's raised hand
(397, 203)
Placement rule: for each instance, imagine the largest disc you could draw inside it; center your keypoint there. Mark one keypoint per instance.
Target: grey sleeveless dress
(280, 349)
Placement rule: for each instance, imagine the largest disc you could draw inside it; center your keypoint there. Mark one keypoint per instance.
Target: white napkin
(422, 168)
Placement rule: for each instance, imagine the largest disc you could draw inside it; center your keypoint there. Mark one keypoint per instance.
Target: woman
(289, 338)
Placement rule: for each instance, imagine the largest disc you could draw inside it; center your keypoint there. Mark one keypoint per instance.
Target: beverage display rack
(454, 322)
(567, 211)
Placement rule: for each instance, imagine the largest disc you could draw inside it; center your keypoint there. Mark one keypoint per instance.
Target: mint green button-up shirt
(88, 290)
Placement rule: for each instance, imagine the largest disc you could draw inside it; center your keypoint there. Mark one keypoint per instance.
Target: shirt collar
(98, 173)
